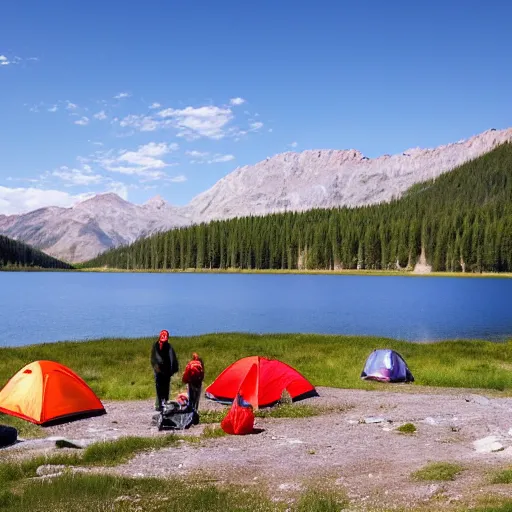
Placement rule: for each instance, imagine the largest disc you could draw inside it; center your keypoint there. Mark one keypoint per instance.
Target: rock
(488, 444)
(478, 399)
(66, 443)
(430, 421)
(50, 469)
(371, 419)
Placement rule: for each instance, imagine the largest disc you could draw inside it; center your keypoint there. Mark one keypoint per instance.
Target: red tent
(273, 378)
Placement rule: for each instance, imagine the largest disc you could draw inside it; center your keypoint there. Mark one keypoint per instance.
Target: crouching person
(165, 365)
(193, 376)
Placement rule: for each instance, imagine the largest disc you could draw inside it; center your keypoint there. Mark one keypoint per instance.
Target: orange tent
(44, 391)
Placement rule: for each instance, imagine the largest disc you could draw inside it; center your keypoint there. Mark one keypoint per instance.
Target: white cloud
(83, 121)
(270, 130)
(54, 108)
(236, 101)
(140, 122)
(71, 106)
(122, 95)
(178, 179)
(100, 115)
(197, 154)
(294, 144)
(82, 176)
(221, 158)
(192, 123)
(118, 188)
(95, 142)
(145, 162)
(202, 157)
(256, 126)
(5, 61)
(20, 200)
(155, 105)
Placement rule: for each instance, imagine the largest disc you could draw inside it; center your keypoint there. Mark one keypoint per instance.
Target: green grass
(438, 471)
(103, 453)
(98, 493)
(278, 411)
(502, 477)
(407, 428)
(325, 360)
(321, 501)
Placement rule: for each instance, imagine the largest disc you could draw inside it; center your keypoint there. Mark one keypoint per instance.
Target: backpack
(194, 372)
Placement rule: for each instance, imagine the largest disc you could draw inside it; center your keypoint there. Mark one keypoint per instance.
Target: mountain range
(285, 182)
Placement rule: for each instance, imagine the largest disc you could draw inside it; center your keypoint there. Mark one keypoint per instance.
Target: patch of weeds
(102, 493)
(321, 501)
(502, 477)
(311, 452)
(438, 471)
(211, 432)
(282, 410)
(494, 505)
(407, 428)
(210, 416)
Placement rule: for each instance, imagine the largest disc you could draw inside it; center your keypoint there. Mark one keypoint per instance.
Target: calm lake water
(42, 307)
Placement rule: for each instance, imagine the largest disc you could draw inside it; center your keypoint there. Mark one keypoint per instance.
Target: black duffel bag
(8, 436)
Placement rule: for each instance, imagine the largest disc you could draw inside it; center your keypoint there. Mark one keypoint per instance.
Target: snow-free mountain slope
(288, 181)
(327, 178)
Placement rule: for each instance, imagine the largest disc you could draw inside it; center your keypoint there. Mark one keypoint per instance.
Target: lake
(45, 307)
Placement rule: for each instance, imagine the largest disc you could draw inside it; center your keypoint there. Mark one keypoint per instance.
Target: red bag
(240, 418)
(194, 372)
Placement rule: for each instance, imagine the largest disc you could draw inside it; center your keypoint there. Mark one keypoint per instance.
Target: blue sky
(166, 97)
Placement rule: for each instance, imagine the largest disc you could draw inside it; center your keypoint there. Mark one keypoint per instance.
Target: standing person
(194, 376)
(165, 365)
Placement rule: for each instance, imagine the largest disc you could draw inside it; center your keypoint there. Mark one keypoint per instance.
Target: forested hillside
(17, 254)
(462, 221)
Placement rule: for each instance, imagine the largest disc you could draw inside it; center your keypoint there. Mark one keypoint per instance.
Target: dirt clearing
(358, 449)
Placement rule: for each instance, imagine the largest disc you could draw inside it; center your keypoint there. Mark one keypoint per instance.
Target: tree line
(461, 221)
(14, 254)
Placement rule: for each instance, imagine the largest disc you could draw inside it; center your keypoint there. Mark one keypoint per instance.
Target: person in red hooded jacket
(194, 376)
(165, 365)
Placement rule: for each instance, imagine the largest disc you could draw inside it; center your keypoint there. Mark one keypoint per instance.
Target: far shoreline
(381, 273)
(378, 273)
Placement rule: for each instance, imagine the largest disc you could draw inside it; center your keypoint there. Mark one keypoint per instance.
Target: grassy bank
(299, 272)
(326, 360)
(102, 493)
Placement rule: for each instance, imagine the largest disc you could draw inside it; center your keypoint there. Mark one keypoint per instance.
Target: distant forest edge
(14, 254)
(461, 221)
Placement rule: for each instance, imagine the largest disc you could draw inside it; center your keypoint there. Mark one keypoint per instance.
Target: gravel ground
(372, 462)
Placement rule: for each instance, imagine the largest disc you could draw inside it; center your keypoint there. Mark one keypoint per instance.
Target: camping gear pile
(177, 414)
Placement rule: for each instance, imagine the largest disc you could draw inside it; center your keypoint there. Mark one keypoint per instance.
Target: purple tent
(386, 365)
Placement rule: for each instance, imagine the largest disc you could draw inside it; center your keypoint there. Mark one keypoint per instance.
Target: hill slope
(90, 227)
(287, 182)
(13, 253)
(460, 221)
(331, 178)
